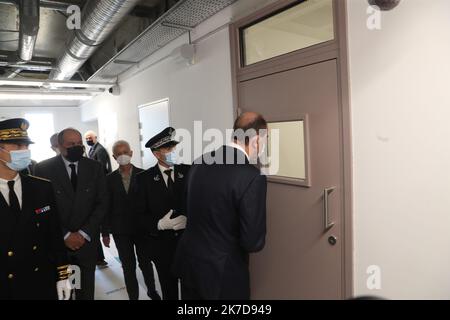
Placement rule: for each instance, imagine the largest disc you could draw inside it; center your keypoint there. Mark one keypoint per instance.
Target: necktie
(91, 152)
(170, 184)
(73, 176)
(13, 200)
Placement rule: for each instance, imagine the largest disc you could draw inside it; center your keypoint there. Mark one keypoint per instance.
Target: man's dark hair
(61, 135)
(247, 126)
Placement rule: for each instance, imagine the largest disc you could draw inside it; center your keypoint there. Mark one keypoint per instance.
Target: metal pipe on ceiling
(99, 19)
(29, 28)
(52, 5)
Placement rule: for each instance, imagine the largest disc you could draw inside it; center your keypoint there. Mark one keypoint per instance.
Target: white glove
(64, 289)
(166, 223)
(181, 223)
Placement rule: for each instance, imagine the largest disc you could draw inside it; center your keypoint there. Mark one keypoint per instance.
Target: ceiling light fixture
(43, 96)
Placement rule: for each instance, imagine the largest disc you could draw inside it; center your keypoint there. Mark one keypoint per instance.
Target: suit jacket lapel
(83, 175)
(92, 151)
(63, 177)
(9, 222)
(159, 180)
(27, 209)
(3, 203)
(133, 179)
(119, 182)
(5, 212)
(178, 175)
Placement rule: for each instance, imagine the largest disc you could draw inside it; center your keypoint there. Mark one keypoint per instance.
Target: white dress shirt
(4, 188)
(165, 177)
(67, 163)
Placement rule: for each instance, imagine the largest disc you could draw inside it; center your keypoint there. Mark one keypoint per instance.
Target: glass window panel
(289, 150)
(301, 26)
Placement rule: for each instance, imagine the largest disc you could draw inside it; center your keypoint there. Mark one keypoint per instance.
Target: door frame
(145, 105)
(336, 49)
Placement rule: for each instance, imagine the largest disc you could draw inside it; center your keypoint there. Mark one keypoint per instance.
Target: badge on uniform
(42, 210)
(157, 178)
(180, 175)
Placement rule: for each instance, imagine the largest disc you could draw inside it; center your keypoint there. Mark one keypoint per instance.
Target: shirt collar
(162, 168)
(131, 171)
(67, 162)
(236, 146)
(16, 178)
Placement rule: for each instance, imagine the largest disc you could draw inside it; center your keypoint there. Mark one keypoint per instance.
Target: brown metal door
(301, 260)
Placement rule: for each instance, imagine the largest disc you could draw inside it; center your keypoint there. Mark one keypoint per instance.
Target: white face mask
(123, 160)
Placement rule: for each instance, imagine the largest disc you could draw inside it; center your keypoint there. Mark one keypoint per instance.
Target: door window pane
(287, 148)
(304, 25)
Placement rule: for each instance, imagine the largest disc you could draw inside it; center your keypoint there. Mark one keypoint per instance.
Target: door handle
(327, 224)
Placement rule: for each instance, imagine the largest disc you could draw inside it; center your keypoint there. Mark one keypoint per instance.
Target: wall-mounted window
(303, 25)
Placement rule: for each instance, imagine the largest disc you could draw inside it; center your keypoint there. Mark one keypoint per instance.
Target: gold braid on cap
(11, 134)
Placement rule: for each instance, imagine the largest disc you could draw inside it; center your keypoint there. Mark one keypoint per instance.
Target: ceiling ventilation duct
(99, 18)
(184, 16)
(29, 28)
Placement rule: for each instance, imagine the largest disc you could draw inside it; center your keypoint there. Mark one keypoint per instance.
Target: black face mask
(90, 143)
(74, 154)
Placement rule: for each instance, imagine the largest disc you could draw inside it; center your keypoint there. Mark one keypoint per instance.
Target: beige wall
(400, 77)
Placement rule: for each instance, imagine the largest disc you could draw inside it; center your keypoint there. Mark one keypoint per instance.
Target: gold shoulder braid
(63, 273)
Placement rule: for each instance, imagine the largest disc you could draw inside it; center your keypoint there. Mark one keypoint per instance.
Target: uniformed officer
(33, 261)
(160, 207)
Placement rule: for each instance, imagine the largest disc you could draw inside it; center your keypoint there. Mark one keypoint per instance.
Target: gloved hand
(64, 289)
(166, 223)
(181, 224)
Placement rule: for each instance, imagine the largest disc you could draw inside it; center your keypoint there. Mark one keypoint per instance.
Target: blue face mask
(171, 158)
(20, 159)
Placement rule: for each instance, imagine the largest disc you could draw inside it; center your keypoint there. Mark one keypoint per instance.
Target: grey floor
(109, 282)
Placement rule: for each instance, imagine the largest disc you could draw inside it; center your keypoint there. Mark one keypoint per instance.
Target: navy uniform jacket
(121, 218)
(153, 203)
(226, 220)
(32, 251)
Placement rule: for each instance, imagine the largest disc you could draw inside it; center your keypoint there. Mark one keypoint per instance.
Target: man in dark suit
(98, 153)
(161, 207)
(226, 212)
(121, 221)
(33, 259)
(80, 187)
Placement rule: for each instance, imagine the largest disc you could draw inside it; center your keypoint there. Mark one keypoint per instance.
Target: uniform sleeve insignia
(42, 210)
